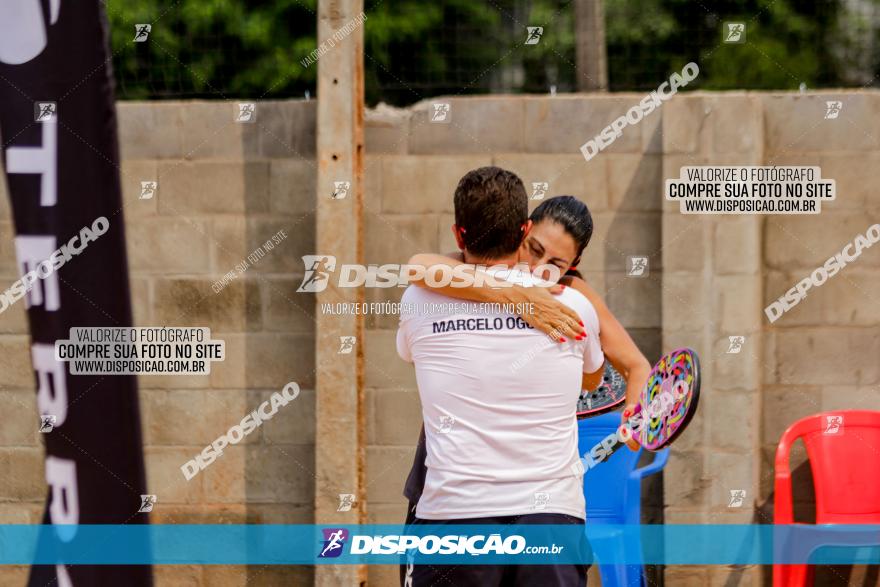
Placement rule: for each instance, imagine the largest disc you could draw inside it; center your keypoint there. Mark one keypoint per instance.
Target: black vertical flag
(61, 158)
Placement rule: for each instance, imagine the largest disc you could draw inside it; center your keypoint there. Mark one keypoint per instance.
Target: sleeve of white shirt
(594, 358)
(403, 342)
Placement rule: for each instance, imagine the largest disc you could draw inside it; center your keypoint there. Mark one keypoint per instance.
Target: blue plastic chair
(613, 492)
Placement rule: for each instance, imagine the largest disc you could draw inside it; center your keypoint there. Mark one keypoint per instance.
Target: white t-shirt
(498, 403)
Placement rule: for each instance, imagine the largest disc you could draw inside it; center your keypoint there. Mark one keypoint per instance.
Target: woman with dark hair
(557, 234)
(572, 216)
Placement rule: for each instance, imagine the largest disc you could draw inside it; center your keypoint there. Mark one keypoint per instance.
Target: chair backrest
(844, 452)
(605, 483)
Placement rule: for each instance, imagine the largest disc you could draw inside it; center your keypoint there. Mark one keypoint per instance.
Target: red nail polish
(581, 323)
(561, 340)
(626, 413)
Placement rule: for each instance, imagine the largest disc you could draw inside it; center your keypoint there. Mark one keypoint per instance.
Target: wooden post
(591, 60)
(339, 432)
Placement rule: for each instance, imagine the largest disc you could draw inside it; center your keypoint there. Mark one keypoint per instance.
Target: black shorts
(410, 519)
(416, 575)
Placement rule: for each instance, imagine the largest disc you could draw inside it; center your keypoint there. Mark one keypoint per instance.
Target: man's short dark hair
(491, 206)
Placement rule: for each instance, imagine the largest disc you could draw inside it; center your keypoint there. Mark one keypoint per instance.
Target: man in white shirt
(498, 397)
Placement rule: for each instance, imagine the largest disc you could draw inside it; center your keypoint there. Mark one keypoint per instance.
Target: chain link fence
(416, 49)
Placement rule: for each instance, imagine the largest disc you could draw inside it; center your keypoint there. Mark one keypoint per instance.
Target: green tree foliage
(213, 48)
(416, 49)
(787, 42)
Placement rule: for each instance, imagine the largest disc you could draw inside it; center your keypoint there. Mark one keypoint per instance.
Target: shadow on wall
(636, 231)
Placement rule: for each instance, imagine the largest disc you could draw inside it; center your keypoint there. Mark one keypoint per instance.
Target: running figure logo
(346, 344)
(148, 190)
(534, 34)
(441, 113)
(637, 266)
(833, 424)
(735, 32)
(45, 112)
(47, 423)
(346, 500)
(147, 502)
(334, 540)
(247, 112)
(340, 190)
(736, 344)
(318, 269)
(142, 32)
(737, 497)
(832, 109)
(539, 190)
(542, 498)
(446, 424)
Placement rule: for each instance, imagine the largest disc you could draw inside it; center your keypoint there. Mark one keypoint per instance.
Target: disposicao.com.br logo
(333, 543)
(479, 544)
(320, 269)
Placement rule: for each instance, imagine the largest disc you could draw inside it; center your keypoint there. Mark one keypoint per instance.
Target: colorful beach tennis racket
(668, 401)
(610, 394)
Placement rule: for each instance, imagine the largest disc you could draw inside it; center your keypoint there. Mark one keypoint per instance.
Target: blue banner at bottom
(231, 544)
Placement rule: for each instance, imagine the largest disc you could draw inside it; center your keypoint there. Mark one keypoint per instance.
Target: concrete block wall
(719, 274)
(822, 354)
(225, 188)
(712, 290)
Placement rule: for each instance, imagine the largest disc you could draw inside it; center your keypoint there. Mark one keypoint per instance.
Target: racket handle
(620, 445)
(632, 443)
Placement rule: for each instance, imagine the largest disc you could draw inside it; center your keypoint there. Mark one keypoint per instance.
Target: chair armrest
(783, 511)
(660, 459)
(782, 507)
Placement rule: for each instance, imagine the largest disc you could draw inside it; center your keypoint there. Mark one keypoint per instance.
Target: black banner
(61, 158)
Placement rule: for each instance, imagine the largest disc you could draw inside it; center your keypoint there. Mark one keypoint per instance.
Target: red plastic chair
(844, 457)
